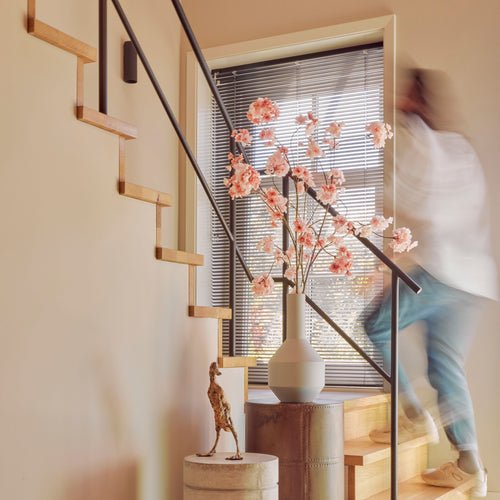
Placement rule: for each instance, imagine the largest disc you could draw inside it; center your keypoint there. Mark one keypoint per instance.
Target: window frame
(198, 98)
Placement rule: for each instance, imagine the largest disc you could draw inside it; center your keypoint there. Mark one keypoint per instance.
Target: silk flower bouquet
(314, 233)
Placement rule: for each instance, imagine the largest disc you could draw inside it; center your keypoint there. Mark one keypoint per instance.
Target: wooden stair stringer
(125, 131)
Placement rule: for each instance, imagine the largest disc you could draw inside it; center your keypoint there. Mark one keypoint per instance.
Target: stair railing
(396, 272)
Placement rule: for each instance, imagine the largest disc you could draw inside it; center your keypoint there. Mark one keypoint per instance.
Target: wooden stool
(213, 478)
(308, 439)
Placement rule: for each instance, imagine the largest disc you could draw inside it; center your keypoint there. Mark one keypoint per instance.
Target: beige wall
(457, 36)
(101, 390)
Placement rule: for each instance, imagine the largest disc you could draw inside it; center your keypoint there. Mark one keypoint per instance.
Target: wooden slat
(179, 256)
(62, 40)
(364, 451)
(80, 72)
(236, 361)
(145, 194)
(105, 122)
(416, 489)
(192, 285)
(210, 312)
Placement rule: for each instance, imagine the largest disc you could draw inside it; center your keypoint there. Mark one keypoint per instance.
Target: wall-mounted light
(129, 63)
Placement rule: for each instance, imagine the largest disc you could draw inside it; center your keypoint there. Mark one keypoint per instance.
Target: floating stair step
(363, 451)
(179, 256)
(62, 40)
(106, 122)
(144, 194)
(363, 415)
(416, 489)
(210, 312)
(236, 361)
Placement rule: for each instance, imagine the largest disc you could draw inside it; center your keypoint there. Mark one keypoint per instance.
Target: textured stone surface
(253, 478)
(308, 438)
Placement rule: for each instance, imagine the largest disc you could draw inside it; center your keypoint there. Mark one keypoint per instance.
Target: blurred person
(440, 195)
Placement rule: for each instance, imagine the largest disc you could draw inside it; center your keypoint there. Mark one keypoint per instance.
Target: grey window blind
(337, 86)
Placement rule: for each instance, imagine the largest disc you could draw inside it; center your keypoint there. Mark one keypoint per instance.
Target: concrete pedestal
(215, 478)
(308, 439)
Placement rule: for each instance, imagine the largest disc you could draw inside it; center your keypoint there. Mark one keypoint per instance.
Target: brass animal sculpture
(222, 413)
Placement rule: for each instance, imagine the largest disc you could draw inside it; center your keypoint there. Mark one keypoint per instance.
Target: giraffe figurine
(222, 413)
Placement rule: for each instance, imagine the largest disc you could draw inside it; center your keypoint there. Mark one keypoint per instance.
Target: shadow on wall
(188, 422)
(117, 481)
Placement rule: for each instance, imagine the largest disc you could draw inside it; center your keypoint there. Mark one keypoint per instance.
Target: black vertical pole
(103, 57)
(232, 264)
(394, 385)
(286, 194)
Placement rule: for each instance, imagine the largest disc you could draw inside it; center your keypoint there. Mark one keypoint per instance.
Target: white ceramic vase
(296, 370)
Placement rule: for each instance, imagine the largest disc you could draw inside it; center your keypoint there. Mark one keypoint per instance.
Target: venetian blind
(337, 86)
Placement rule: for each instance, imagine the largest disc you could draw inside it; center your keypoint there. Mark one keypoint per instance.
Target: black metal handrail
(397, 273)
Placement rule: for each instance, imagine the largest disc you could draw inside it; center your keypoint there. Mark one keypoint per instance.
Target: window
(341, 85)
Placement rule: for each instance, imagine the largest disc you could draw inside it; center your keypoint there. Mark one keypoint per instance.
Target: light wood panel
(236, 361)
(376, 476)
(416, 489)
(210, 312)
(106, 122)
(66, 42)
(363, 451)
(179, 256)
(145, 194)
(360, 421)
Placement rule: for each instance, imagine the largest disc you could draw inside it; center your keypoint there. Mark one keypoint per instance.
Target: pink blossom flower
(342, 263)
(277, 164)
(266, 244)
(312, 125)
(331, 142)
(327, 194)
(402, 240)
(242, 136)
(300, 187)
(363, 231)
(381, 132)
(321, 242)
(275, 200)
(278, 257)
(290, 252)
(263, 110)
(299, 225)
(306, 238)
(304, 174)
(336, 177)
(268, 135)
(338, 241)
(245, 178)
(263, 285)
(313, 149)
(380, 223)
(342, 225)
(301, 119)
(291, 273)
(334, 129)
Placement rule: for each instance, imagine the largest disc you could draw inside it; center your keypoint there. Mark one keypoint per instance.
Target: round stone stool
(215, 478)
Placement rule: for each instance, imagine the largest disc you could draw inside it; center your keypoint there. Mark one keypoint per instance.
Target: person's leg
(450, 333)
(412, 308)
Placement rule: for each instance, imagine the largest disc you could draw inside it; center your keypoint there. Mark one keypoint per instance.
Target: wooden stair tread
(210, 312)
(364, 401)
(236, 361)
(106, 122)
(60, 39)
(179, 256)
(363, 451)
(416, 489)
(145, 194)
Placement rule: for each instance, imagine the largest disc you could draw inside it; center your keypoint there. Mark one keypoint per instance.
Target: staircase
(367, 464)
(86, 54)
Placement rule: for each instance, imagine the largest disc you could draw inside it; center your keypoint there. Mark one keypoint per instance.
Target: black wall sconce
(129, 63)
